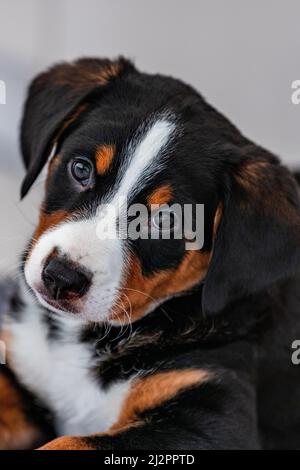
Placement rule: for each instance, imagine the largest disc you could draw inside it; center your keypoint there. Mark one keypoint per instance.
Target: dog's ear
(258, 238)
(56, 100)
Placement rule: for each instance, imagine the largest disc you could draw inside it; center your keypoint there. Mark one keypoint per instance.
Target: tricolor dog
(125, 342)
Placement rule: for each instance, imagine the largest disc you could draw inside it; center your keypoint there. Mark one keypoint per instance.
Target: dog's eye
(82, 171)
(165, 219)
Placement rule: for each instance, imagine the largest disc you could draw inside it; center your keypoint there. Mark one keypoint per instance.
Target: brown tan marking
(145, 394)
(107, 73)
(67, 443)
(152, 391)
(15, 430)
(217, 220)
(53, 164)
(268, 189)
(104, 158)
(52, 167)
(81, 75)
(47, 221)
(160, 196)
(139, 292)
(251, 174)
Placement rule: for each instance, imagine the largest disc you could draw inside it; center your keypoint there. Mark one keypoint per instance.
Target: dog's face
(118, 138)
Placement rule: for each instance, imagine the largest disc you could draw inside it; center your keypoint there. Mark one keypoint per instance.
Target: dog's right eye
(82, 171)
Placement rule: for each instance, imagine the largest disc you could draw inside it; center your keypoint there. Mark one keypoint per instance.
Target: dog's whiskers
(156, 302)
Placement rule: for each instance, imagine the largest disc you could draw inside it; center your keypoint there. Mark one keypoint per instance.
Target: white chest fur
(59, 372)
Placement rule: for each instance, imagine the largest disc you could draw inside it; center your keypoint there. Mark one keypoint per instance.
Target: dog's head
(110, 134)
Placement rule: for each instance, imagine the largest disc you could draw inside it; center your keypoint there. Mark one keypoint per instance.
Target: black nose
(63, 278)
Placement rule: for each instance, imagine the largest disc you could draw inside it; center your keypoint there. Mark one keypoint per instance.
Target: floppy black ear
(258, 239)
(55, 100)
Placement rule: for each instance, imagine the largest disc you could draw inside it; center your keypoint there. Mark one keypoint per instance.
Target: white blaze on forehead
(144, 161)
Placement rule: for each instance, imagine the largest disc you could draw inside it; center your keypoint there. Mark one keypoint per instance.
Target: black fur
(240, 323)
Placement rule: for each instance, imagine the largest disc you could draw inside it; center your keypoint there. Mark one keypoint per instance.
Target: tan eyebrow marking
(161, 195)
(104, 158)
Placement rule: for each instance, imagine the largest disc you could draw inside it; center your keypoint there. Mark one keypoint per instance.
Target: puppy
(150, 342)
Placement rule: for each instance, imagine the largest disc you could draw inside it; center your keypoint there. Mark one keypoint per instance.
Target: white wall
(242, 55)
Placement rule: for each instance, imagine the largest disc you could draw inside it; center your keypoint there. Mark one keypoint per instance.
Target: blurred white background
(241, 55)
